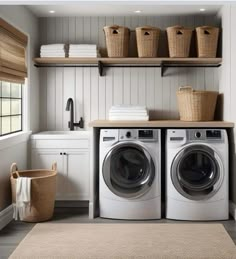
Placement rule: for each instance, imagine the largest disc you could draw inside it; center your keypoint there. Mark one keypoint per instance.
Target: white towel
(23, 197)
(132, 118)
(52, 51)
(53, 46)
(83, 47)
(127, 107)
(83, 56)
(44, 55)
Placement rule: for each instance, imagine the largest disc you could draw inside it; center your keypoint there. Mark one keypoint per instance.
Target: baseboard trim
(232, 209)
(6, 216)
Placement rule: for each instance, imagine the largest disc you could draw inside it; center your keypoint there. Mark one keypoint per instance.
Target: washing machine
(129, 177)
(197, 174)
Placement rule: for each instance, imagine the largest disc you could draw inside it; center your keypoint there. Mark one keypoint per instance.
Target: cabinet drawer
(55, 143)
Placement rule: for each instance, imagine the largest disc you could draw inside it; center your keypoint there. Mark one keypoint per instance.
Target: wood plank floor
(12, 234)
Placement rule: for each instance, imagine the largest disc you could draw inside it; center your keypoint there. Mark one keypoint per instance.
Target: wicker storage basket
(147, 41)
(43, 192)
(196, 105)
(117, 41)
(179, 40)
(207, 40)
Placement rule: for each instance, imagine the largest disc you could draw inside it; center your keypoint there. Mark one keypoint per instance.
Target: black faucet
(71, 123)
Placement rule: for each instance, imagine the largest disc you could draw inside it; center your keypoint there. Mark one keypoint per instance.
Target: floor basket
(147, 41)
(207, 40)
(179, 40)
(43, 192)
(196, 105)
(117, 41)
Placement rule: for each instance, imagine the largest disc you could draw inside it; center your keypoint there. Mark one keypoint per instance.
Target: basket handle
(186, 88)
(14, 169)
(54, 166)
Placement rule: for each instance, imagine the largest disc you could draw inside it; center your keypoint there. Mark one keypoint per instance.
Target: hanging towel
(23, 197)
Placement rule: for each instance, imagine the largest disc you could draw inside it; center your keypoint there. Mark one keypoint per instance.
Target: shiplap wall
(94, 95)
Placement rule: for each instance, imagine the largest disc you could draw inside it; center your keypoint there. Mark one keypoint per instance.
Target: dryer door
(196, 172)
(128, 170)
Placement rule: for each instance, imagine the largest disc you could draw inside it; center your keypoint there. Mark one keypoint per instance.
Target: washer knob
(128, 134)
(198, 134)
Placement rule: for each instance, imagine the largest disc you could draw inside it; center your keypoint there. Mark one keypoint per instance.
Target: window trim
(21, 114)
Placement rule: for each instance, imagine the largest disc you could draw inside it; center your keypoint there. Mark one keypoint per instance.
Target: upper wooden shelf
(161, 124)
(122, 62)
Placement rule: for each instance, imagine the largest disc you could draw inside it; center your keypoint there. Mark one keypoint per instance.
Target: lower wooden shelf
(160, 124)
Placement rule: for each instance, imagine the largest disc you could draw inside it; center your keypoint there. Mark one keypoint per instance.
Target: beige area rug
(129, 240)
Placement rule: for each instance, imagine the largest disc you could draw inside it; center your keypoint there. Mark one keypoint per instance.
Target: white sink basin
(61, 134)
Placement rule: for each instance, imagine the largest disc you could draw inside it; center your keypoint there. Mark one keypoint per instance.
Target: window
(10, 108)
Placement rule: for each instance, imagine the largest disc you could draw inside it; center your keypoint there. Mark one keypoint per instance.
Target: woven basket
(43, 192)
(196, 105)
(147, 41)
(117, 41)
(179, 40)
(207, 40)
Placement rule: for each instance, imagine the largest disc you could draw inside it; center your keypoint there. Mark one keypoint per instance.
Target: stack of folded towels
(83, 51)
(128, 112)
(52, 51)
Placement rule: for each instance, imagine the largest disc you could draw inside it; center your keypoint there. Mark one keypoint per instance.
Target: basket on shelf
(147, 41)
(207, 41)
(43, 192)
(179, 40)
(196, 105)
(117, 41)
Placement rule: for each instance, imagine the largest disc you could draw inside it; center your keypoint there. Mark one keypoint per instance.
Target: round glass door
(196, 172)
(128, 170)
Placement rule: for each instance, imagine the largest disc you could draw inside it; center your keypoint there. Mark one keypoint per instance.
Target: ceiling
(121, 8)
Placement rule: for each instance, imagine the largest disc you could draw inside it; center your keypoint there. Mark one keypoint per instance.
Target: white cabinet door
(76, 165)
(43, 159)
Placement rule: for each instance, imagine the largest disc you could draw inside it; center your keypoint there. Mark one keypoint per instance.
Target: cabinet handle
(60, 153)
(64, 153)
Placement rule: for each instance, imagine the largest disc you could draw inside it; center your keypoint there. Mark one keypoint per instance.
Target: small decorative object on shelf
(117, 41)
(207, 41)
(179, 40)
(147, 41)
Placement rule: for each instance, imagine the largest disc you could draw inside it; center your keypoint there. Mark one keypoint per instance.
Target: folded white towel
(83, 52)
(49, 51)
(23, 197)
(127, 107)
(83, 55)
(128, 113)
(83, 46)
(136, 118)
(44, 55)
(53, 46)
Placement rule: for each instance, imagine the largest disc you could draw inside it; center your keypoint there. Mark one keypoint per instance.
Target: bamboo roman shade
(12, 53)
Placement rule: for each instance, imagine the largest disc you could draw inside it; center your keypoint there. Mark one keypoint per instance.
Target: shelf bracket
(100, 68)
(162, 69)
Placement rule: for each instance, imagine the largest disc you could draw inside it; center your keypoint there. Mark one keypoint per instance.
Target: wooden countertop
(160, 124)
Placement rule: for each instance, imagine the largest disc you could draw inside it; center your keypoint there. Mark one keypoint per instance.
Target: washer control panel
(138, 134)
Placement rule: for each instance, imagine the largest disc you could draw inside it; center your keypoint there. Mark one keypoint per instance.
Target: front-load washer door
(196, 172)
(128, 170)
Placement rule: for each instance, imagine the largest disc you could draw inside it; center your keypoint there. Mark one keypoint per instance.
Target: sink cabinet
(71, 152)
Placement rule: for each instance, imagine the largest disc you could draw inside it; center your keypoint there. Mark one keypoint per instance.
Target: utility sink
(61, 134)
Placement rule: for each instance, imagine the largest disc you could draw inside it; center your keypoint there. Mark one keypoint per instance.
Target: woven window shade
(12, 53)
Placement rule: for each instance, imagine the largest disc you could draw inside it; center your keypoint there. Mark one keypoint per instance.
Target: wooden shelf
(160, 124)
(123, 62)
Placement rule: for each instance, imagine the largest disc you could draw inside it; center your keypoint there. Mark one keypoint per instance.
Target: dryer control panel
(138, 134)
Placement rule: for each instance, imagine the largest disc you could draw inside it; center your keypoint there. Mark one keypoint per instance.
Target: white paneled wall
(93, 94)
